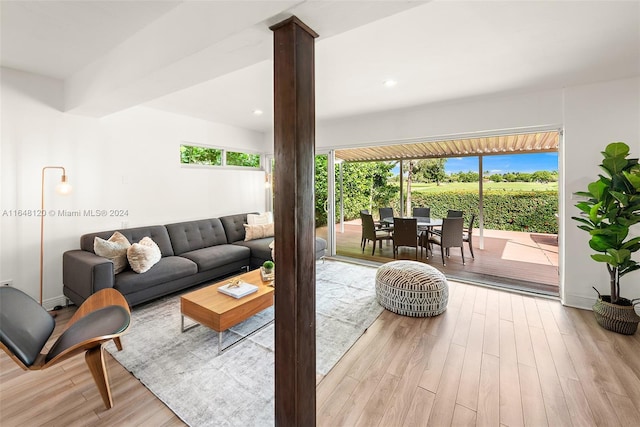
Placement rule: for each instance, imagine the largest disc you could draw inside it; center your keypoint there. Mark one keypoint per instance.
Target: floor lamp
(63, 188)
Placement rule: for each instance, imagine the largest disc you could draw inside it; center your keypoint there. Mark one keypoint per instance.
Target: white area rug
(237, 387)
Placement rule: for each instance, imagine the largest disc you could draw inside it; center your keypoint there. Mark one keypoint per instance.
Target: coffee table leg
(182, 328)
(220, 342)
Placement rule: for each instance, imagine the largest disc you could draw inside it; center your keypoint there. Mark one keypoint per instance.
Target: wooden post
(295, 305)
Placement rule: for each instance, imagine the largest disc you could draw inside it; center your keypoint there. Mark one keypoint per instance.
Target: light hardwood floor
(493, 358)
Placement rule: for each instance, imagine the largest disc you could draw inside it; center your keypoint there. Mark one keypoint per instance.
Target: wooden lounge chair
(25, 328)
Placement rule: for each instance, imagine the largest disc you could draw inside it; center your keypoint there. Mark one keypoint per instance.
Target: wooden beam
(295, 308)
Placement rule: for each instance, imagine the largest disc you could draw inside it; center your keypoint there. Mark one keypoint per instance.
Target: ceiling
(212, 59)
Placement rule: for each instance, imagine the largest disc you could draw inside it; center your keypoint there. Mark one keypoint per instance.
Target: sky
(503, 163)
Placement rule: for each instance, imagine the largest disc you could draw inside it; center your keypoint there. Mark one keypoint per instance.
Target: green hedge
(503, 210)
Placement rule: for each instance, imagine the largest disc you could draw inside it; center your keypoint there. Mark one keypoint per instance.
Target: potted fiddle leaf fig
(611, 210)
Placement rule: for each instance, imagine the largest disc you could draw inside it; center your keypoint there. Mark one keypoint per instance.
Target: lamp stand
(63, 188)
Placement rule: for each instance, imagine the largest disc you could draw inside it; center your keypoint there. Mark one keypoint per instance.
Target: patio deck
(511, 259)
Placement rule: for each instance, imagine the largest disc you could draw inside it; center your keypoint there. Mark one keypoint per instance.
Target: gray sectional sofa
(193, 252)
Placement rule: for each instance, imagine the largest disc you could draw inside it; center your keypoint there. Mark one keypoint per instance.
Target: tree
(411, 168)
(364, 185)
(544, 176)
(432, 170)
(496, 177)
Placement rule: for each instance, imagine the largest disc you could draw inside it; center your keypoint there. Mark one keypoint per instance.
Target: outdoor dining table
(423, 221)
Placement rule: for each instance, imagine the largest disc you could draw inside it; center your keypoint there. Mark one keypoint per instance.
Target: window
(198, 155)
(235, 158)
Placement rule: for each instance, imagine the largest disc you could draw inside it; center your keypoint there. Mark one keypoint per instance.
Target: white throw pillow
(263, 218)
(258, 231)
(143, 255)
(114, 249)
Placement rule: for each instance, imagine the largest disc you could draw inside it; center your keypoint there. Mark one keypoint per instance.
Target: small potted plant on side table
(268, 270)
(611, 209)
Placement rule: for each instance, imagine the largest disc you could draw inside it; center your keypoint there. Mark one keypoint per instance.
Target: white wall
(128, 161)
(592, 115)
(595, 115)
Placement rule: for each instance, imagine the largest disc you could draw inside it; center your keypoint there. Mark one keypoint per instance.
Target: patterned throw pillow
(143, 255)
(258, 231)
(114, 249)
(257, 219)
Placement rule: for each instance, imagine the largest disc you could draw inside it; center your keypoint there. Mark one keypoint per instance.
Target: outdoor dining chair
(422, 212)
(370, 233)
(454, 214)
(405, 233)
(450, 237)
(468, 235)
(25, 328)
(385, 213)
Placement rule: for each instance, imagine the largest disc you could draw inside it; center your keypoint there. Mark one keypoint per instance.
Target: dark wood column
(295, 299)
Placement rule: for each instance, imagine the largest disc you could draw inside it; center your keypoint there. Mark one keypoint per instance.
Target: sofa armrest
(85, 273)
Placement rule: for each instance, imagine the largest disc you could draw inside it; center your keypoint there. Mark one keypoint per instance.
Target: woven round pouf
(411, 288)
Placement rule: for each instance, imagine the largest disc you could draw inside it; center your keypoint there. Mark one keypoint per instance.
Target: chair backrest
(364, 211)
(385, 213)
(25, 326)
(368, 227)
(405, 232)
(422, 212)
(454, 214)
(471, 221)
(452, 229)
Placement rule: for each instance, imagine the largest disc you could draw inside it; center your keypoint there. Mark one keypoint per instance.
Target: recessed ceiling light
(257, 112)
(390, 83)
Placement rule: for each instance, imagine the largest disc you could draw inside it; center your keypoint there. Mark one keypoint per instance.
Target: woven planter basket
(622, 319)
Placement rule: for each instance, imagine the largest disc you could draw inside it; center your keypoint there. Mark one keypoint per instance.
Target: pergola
(513, 142)
(524, 143)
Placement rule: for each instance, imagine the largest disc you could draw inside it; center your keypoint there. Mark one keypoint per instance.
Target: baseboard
(51, 303)
(577, 301)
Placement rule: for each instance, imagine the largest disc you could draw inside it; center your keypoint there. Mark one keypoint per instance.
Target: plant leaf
(603, 258)
(597, 189)
(616, 149)
(633, 178)
(614, 165)
(620, 197)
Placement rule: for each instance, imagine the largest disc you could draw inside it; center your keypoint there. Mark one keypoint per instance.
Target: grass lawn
(420, 187)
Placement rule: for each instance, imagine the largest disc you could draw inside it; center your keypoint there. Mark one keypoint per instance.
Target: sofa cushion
(217, 256)
(167, 269)
(321, 247)
(259, 247)
(192, 235)
(234, 226)
(158, 233)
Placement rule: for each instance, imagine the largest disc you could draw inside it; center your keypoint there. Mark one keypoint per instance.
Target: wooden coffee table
(219, 312)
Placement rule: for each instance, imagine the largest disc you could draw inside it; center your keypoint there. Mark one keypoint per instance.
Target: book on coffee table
(243, 289)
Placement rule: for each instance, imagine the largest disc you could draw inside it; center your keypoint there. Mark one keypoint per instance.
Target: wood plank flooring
(493, 358)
